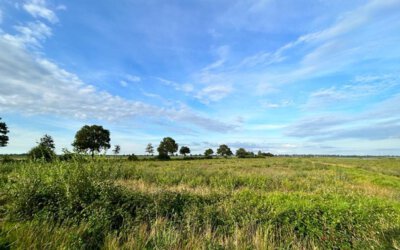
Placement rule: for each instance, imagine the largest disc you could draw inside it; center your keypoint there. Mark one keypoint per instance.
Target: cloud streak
(38, 8)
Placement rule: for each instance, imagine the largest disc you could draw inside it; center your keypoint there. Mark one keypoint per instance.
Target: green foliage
(262, 154)
(48, 142)
(149, 149)
(242, 153)
(167, 146)
(116, 149)
(163, 157)
(92, 139)
(224, 150)
(279, 203)
(208, 153)
(44, 151)
(184, 150)
(3, 134)
(72, 157)
(133, 157)
(41, 153)
(7, 159)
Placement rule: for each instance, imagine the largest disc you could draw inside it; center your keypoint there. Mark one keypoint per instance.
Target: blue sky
(314, 77)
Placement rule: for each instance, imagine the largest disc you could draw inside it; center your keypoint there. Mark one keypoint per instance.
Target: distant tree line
(94, 139)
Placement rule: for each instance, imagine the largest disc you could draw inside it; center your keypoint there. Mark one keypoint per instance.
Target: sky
(280, 76)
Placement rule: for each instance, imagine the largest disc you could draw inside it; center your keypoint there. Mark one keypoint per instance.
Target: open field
(286, 203)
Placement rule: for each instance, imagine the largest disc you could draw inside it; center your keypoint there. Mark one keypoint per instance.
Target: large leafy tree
(184, 150)
(241, 153)
(224, 150)
(3, 134)
(92, 139)
(167, 145)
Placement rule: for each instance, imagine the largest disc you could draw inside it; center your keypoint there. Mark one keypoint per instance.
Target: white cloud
(31, 34)
(222, 53)
(361, 87)
(37, 8)
(129, 79)
(35, 86)
(207, 94)
(281, 104)
(214, 93)
(379, 122)
(133, 78)
(262, 59)
(266, 126)
(355, 37)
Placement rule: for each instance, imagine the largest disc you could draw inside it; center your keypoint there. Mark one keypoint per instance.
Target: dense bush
(163, 157)
(41, 152)
(7, 159)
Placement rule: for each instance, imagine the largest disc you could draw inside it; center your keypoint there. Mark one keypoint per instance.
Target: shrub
(70, 156)
(7, 159)
(133, 157)
(41, 152)
(163, 157)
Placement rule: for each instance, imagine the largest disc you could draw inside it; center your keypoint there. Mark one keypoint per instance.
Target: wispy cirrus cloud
(38, 9)
(377, 123)
(331, 49)
(30, 34)
(127, 79)
(276, 105)
(360, 87)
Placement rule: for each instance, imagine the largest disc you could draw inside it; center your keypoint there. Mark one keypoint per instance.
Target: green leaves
(92, 139)
(3, 134)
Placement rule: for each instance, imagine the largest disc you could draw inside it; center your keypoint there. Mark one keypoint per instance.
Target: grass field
(272, 203)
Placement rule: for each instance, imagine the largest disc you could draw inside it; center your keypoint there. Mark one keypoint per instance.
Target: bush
(133, 157)
(163, 157)
(7, 159)
(41, 152)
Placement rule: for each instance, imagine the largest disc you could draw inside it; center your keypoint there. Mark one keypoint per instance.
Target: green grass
(272, 203)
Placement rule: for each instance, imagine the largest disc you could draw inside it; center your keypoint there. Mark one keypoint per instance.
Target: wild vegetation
(257, 203)
(91, 201)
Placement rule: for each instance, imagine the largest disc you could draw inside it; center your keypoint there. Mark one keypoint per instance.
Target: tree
(241, 153)
(41, 152)
(116, 149)
(184, 150)
(208, 153)
(149, 149)
(92, 139)
(167, 145)
(3, 134)
(48, 142)
(44, 150)
(224, 150)
(262, 154)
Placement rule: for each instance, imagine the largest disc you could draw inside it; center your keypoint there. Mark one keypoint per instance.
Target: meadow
(257, 203)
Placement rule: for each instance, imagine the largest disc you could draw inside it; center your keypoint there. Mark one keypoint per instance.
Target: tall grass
(200, 204)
